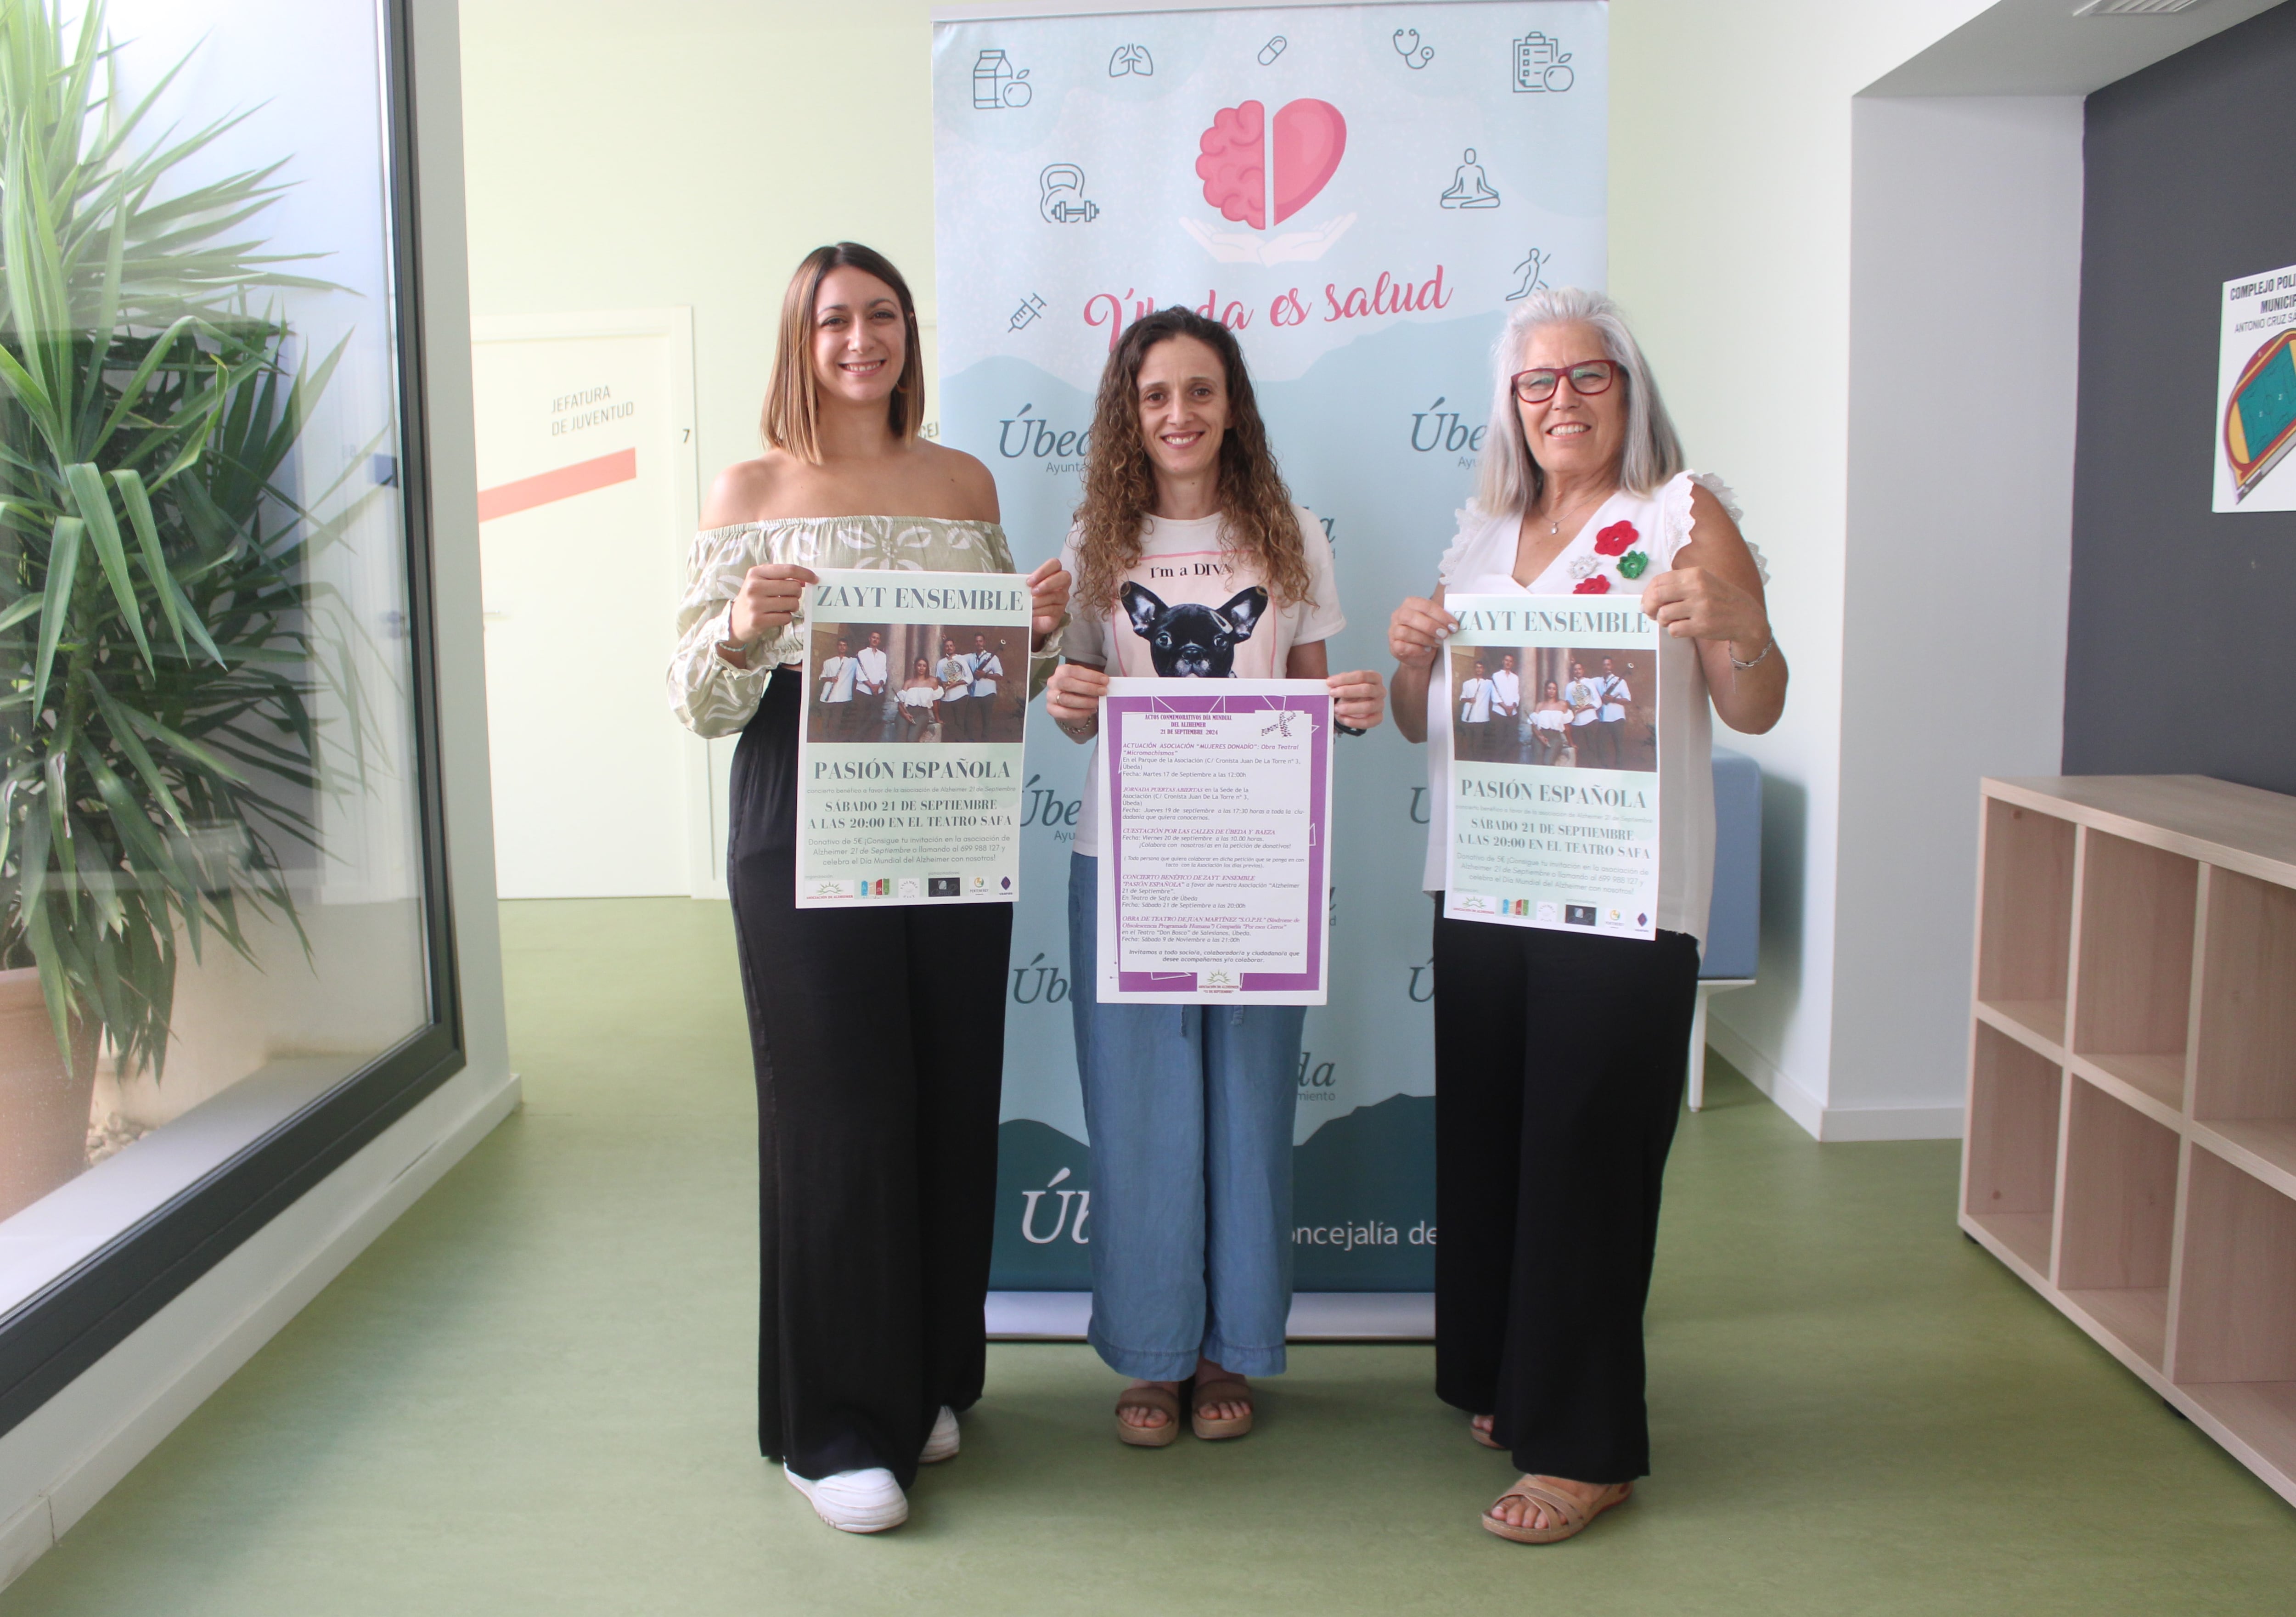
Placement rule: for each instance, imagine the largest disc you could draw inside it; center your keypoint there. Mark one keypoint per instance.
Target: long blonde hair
(1509, 478)
(792, 418)
(1258, 522)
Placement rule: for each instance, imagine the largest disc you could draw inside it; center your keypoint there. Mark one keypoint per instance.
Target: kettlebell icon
(1061, 199)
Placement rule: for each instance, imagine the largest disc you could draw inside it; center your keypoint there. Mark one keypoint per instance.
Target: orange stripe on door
(565, 483)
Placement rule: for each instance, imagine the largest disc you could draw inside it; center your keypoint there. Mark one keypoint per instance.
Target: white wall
(1823, 219)
(1730, 248)
(1964, 368)
(643, 156)
(648, 157)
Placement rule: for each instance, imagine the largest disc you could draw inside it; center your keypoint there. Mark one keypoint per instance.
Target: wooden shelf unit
(2130, 1150)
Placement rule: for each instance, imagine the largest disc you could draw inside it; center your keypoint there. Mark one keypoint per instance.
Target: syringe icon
(1030, 307)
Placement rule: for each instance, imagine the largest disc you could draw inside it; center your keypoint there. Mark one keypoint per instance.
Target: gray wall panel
(2182, 657)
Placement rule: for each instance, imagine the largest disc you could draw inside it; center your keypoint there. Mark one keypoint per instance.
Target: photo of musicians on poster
(918, 682)
(1564, 707)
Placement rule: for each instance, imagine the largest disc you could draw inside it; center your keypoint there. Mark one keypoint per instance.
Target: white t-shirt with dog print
(1191, 610)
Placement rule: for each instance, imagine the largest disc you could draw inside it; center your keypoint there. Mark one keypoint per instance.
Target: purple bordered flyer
(1214, 806)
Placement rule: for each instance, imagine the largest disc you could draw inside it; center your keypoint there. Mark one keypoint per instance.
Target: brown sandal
(1482, 1436)
(1559, 1506)
(1220, 1390)
(1160, 1399)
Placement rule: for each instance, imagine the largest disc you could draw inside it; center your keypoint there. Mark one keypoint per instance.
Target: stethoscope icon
(1062, 200)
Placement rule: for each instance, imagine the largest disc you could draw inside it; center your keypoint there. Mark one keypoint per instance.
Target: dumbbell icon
(1061, 199)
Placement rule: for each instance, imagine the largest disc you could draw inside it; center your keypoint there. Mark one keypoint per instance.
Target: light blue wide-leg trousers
(1190, 1111)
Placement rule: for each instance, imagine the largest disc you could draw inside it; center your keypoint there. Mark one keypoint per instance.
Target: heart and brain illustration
(1240, 153)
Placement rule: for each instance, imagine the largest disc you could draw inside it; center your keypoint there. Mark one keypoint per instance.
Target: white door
(587, 506)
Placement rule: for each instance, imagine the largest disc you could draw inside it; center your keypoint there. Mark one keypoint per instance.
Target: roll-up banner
(1361, 193)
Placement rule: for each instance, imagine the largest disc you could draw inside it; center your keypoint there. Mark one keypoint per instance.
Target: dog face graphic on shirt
(1190, 640)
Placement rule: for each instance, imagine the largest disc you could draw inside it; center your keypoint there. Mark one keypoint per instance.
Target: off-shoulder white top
(712, 697)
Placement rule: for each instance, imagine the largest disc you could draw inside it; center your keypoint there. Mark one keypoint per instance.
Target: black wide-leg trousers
(1559, 1067)
(878, 1041)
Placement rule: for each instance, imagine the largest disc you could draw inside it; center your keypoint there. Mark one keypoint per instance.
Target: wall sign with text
(2256, 394)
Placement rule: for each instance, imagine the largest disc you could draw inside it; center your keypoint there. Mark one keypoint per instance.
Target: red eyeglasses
(1587, 378)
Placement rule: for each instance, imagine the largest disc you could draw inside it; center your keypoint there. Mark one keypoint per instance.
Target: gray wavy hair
(1508, 477)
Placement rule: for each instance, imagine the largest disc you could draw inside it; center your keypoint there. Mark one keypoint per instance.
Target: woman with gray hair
(1549, 1150)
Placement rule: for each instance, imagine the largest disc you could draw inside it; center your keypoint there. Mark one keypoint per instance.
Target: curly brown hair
(1120, 482)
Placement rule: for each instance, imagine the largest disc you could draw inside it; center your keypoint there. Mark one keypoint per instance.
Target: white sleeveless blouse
(1481, 561)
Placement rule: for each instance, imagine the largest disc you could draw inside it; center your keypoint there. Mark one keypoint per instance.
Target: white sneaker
(855, 1501)
(942, 1444)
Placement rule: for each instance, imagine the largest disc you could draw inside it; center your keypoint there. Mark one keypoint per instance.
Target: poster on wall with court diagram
(2255, 426)
(1361, 194)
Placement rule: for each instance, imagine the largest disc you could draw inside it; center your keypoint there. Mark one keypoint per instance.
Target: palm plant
(161, 644)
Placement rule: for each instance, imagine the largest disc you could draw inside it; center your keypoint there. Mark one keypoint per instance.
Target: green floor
(533, 1393)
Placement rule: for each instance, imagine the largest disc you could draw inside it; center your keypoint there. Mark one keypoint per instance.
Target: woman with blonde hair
(1192, 562)
(878, 1035)
(1549, 1151)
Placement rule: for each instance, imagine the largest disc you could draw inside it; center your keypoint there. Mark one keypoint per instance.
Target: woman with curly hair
(1192, 562)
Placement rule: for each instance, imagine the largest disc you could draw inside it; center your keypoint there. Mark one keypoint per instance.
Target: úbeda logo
(1259, 171)
(1029, 1200)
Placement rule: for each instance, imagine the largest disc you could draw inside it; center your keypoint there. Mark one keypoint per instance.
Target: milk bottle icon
(1540, 64)
(995, 84)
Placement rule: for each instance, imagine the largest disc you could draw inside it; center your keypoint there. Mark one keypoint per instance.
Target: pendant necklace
(1555, 526)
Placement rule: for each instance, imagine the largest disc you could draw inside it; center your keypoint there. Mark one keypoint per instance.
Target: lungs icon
(1237, 162)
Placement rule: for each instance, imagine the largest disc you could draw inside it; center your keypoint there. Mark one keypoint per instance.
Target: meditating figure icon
(1468, 188)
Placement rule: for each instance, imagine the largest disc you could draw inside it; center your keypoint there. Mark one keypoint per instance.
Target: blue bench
(1733, 924)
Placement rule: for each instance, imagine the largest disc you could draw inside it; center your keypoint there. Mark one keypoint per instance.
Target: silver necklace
(1555, 526)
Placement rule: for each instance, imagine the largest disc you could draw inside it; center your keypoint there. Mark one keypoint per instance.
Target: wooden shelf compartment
(2244, 1021)
(2234, 1353)
(2116, 1220)
(2133, 1071)
(2025, 905)
(2009, 1188)
(2133, 972)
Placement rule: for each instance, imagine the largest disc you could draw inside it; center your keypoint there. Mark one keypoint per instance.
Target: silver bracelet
(1742, 667)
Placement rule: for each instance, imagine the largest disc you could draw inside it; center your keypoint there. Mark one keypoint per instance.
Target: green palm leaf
(151, 415)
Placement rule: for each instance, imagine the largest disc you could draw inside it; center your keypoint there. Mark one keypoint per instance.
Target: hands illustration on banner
(1131, 59)
(1293, 246)
(1415, 54)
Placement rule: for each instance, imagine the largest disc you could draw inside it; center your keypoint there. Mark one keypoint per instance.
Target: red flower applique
(1613, 541)
(1596, 585)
